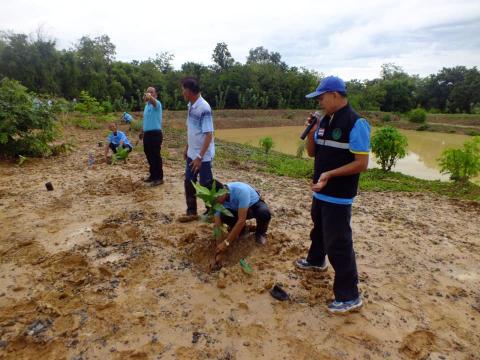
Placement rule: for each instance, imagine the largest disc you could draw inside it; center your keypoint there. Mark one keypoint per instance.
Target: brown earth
(101, 268)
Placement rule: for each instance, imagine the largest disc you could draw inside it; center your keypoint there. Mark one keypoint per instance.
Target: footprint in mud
(418, 344)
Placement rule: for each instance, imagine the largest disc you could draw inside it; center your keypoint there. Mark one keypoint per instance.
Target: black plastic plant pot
(49, 186)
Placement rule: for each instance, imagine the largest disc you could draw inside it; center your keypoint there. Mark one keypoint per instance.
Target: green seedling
(246, 267)
(210, 197)
(21, 160)
(121, 154)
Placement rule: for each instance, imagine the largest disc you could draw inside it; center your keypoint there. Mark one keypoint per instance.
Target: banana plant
(210, 197)
(121, 154)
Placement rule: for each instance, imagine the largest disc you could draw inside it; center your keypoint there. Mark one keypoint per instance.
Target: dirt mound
(113, 185)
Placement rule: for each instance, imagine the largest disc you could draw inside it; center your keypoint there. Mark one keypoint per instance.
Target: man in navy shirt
(244, 202)
(115, 140)
(340, 143)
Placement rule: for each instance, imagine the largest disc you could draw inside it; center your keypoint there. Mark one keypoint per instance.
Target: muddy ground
(101, 268)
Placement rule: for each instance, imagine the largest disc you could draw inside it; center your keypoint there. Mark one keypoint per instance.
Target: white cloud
(349, 38)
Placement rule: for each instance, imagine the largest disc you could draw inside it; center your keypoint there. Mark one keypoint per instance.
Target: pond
(424, 148)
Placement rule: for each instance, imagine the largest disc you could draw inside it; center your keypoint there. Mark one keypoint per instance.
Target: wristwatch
(226, 242)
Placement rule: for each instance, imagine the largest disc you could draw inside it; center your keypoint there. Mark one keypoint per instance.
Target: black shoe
(148, 179)
(156, 182)
(261, 239)
(305, 265)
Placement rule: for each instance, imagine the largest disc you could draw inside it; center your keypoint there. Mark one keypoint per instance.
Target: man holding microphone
(340, 143)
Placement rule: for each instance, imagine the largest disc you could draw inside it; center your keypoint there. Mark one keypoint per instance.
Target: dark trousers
(332, 235)
(206, 178)
(152, 145)
(259, 211)
(114, 147)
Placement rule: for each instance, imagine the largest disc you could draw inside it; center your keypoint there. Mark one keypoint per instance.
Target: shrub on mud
(266, 143)
(389, 145)
(462, 164)
(417, 116)
(27, 125)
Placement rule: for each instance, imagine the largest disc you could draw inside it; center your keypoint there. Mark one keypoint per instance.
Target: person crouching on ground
(244, 202)
(115, 140)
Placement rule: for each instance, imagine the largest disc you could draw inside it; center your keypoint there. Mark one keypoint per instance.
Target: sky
(346, 38)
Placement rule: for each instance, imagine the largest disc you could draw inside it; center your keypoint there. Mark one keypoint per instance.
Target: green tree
(27, 125)
(222, 57)
(462, 164)
(389, 145)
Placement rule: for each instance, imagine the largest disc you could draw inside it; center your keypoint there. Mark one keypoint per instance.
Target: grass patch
(254, 159)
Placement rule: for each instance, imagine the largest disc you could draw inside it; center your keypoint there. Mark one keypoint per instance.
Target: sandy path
(101, 268)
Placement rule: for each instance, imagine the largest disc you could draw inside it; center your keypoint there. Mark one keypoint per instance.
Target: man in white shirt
(200, 148)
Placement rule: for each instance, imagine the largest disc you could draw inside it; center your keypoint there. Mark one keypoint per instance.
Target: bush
(462, 164)
(27, 125)
(88, 104)
(266, 143)
(389, 145)
(386, 118)
(422, 127)
(107, 106)
(418, 115)
(120, 105)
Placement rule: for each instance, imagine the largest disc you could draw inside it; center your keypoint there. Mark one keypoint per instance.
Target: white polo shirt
(199, 123)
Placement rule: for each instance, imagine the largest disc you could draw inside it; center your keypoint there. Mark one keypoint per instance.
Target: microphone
(311, 121)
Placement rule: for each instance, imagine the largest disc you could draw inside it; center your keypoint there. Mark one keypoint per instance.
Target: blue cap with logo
(329, 84)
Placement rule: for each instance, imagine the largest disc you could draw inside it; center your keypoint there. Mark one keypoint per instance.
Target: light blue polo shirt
(127, 117)
(241, 195)
(199, 123)
(115, 140)
(152, 117)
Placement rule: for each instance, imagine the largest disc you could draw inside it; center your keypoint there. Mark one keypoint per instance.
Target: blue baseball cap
(329, 84)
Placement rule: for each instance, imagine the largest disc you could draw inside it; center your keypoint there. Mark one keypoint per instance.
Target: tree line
(263, 81)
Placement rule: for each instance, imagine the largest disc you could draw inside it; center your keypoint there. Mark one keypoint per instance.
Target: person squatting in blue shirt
(127, 117)
(244, 202)
(116, 139)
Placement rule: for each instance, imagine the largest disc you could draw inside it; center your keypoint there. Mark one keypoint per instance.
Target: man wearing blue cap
(340, 143)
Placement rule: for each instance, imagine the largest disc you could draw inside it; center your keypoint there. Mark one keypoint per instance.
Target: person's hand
(140, 136)
(195, 165)
(322, 182)
(309, 121)
(221, 247)
(185, 154)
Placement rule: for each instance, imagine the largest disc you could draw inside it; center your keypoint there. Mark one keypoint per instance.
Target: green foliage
(121, 154)
(27, 125)
(417, 116)
(86, 123)
(388, 145)
(422, 127)
(136, 125)
(266, 143)
(21, 160)
(88, 104)
(106, 106)
(386, 118)
(210, 198)
(461, 164)
(300, 149)
(264, 81)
